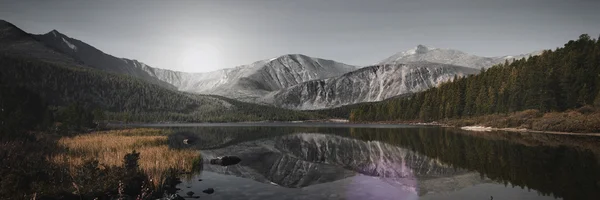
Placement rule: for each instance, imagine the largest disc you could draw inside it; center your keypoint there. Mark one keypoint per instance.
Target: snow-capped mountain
(449, 56)
(249, 82)
(369, 84)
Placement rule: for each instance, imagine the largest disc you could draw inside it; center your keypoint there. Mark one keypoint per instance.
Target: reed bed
(109, 148)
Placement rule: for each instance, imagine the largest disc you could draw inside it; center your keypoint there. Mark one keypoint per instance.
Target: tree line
(566, 78)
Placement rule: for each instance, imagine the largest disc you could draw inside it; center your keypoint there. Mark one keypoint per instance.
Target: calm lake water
(355, 162)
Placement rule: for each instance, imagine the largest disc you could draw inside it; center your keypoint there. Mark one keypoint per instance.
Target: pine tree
(566, 78)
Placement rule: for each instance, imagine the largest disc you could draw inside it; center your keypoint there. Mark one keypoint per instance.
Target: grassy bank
(109, 148)
(583, 120)
(123, 164)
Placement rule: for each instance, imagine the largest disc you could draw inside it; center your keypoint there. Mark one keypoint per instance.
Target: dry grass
(109, 148)
(583, 120)
(572, 121)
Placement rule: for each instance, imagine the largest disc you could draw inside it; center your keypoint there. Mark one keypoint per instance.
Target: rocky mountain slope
(246, 82)
(62, 79)
(249, 82)
(293, 81)
(449, 56)
(369, 84)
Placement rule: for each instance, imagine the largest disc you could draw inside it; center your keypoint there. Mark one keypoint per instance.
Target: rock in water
(190, 193)
(226, 161)
(209, 191)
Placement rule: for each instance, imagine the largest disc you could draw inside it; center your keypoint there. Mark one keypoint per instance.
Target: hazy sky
(197, 36)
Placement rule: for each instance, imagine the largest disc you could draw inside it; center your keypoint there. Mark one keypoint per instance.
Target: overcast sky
(198, 36)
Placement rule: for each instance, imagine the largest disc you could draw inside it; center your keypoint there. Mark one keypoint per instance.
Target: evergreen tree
(566, 78)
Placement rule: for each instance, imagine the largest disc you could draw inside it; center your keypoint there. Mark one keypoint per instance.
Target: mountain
(559, 80)
(129, 99)
(16, 42)
(250, 82)
(62, 78)
(93, 57)
(449, 56)
(246, 82)
(369, 84)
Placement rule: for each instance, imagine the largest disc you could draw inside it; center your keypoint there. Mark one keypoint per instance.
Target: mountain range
(293, 81)
(250, 82)
(76, 75)
(301, 82)
(369, 84)
(451, 57)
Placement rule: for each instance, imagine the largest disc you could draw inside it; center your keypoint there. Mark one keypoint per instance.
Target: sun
(200, 57)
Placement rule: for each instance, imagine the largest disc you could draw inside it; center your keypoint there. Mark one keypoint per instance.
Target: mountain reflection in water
(396, 163)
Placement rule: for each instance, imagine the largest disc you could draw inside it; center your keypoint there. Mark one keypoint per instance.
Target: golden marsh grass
(109, 148)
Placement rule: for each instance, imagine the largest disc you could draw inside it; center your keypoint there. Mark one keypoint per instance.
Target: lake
(341, 161)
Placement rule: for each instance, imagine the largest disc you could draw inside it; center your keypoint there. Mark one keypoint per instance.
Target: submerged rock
(209, 191)
(226, 161)
(190, 193)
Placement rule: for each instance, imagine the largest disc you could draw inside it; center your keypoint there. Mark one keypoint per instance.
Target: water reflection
(571, 172)
(402, 163)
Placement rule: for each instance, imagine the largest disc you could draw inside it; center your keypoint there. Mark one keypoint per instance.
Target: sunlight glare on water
(369, 187)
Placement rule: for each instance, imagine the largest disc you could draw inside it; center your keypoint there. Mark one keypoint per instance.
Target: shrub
(587, 109)
(585, 119)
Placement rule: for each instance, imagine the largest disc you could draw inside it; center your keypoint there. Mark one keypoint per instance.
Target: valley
(277, 81)
(79, 121)
(290, 87)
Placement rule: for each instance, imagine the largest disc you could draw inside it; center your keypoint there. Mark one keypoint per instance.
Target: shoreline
(478, 128)
(332, 120)
(521, 130)
(474, 128)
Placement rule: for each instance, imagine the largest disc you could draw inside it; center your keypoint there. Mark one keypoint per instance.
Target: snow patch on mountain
(72, 46)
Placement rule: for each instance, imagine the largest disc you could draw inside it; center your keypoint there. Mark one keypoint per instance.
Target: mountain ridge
(368, 84)
(450, 56)
(250, 82)
(274, 81)
(61, 79)
(16, 42)
(94, 57)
